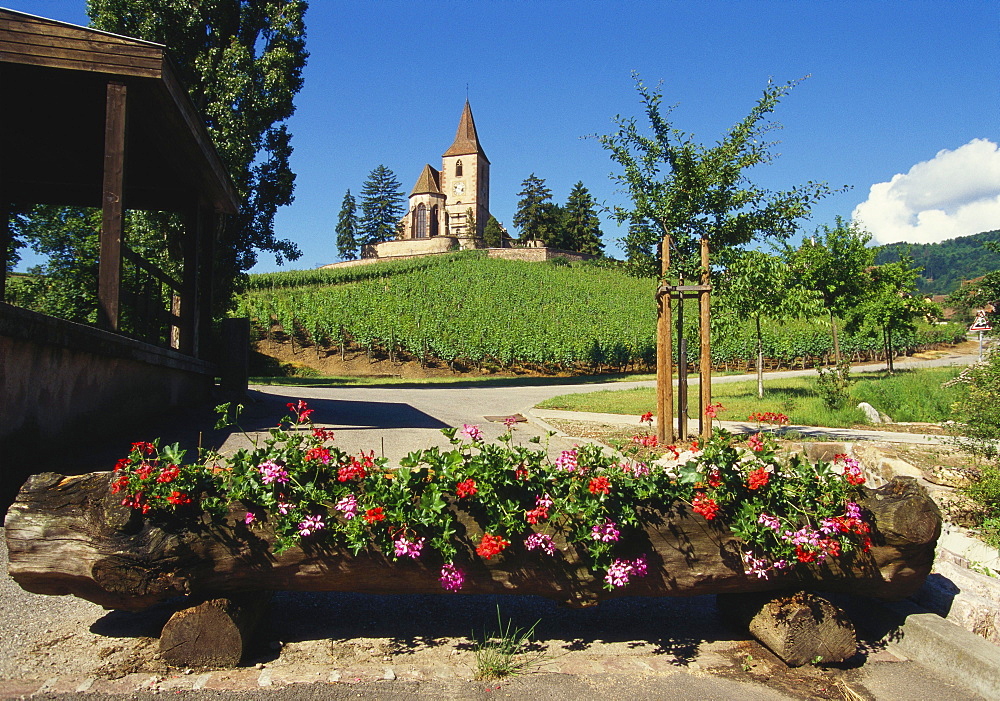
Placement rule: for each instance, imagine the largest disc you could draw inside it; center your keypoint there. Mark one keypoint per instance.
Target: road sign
(981, 324)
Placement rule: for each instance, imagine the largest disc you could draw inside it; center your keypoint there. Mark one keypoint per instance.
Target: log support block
(214, 633)
(799, 628)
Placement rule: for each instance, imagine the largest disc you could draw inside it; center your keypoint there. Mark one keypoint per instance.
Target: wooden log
(214, 633)
(799, 628)
(68, 535)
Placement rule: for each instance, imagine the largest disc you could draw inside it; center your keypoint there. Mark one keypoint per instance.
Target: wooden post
(203, 307)
(664, 356)
(189, 281)
(682, 371)
(705, 359)
(110, 270)
(4, 244)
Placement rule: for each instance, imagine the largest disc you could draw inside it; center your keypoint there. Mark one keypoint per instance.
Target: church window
(434, 220)
(458, 169)
(421, 232)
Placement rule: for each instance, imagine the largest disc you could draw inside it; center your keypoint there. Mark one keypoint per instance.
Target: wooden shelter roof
(53, 82)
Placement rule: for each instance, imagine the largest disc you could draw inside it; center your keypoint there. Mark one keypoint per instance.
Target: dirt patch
(280, 357)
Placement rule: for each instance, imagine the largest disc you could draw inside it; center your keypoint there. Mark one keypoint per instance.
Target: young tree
(834, 263)
(758, 285)
(241, 61)
(381, 207)
(889, 303)
(347, 228)
(470, 222)
(689, 191)
(582, 225)
(493, 233)
(534, 209)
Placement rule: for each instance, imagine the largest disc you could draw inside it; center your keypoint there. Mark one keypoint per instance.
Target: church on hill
(451, 203)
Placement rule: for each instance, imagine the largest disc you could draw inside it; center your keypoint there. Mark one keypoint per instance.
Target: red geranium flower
(646, 418)
(705, 506)
(599, 485)
(491, 545)
(539, 513)
(178, 498)
(466, 488)
(168, 474)
(758, 478)
(374, 515)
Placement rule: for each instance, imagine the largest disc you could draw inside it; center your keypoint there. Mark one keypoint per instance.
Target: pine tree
(381, 207)
(533, 209)
(583, 226)
(347, 228)
(493, 233)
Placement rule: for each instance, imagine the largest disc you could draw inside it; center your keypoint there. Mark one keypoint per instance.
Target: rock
(871, 413)
(957, 477)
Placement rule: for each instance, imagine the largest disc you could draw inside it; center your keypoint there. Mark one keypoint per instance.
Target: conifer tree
(533, 209)
(493, 233)
(582, 225)
(347, 228)
(381, 207)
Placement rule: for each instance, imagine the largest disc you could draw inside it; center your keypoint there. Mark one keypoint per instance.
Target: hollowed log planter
(68, 535)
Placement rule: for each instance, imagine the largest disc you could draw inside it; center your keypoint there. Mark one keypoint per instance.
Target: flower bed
(586, 504)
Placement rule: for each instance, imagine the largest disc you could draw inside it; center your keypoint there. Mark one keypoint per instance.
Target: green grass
(909, 395)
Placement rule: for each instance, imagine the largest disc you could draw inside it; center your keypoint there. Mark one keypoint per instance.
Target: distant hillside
(947, 263)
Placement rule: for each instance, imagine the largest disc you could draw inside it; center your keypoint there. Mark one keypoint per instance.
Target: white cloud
(956, 193)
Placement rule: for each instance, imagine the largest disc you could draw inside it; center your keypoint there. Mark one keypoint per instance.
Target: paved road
(395, 420)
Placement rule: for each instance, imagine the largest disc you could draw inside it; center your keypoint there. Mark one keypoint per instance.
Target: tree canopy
(688, 191)
(241, 61)
(833, 263)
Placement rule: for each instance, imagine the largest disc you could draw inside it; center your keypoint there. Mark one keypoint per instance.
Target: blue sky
(902, 103)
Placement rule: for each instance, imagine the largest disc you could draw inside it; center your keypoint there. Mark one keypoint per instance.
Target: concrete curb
(926, 638)
(814, 432)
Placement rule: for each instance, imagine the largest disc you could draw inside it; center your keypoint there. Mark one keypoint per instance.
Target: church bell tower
(465, 180)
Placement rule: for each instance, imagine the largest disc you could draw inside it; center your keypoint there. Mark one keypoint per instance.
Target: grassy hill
(947, 263)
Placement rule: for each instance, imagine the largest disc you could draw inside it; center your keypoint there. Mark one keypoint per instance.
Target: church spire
(466, 138)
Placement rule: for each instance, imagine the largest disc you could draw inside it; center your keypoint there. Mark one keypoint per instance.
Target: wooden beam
(705, 358)
(109, 283)
(664, 358)
(4, 243)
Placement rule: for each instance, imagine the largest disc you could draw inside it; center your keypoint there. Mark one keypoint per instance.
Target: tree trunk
(760, 361)
(68, 535)
(800, 628)
(215, 633)
(836, 342)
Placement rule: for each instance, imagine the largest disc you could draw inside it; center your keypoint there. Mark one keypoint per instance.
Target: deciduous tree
(688, 191)
(758, 285)
(493, 233)
(834, 264)
(241, 61)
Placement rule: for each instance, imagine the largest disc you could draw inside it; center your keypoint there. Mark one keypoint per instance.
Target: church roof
(466, 138)
(429, 182)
